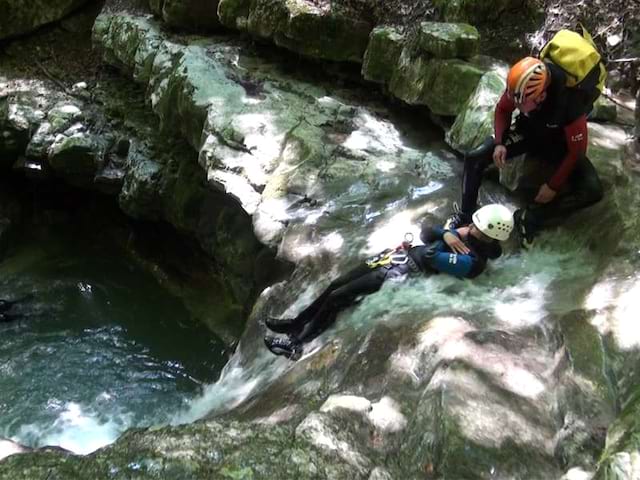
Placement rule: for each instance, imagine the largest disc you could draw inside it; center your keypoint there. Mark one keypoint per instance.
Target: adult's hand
(545, 194)
(500, 156)
(455, 243)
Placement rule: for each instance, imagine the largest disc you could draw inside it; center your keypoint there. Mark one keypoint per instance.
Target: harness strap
(383, 259)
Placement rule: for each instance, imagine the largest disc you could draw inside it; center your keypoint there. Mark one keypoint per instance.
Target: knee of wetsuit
(594, 192)
(483, 152)
(591, 191)
(340, 298)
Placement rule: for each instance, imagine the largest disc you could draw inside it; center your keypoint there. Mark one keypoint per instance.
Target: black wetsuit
(556, 132)
(434, 257)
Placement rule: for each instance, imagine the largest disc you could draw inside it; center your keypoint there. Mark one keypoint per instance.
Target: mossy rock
(383, 52)
(19, 119)
(475, 121)
(301, 27)
(220, 450)
(75, 158)
(604, 110)
(621, 458)
(449, 40)
(442, 85)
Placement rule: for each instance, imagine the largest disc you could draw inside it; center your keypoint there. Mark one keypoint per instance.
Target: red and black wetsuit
(556, 132)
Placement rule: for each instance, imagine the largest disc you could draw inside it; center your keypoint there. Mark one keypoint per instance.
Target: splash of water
(79, 429)
(237, 382)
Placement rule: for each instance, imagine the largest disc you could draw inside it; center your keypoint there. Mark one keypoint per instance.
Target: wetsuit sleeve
(576, 138)
(461, 266)
(502, 116)
(430, 234)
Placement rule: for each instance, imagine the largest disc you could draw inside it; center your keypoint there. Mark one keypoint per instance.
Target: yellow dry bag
(577, 55)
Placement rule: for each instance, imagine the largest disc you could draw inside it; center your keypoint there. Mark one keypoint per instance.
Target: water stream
(97, 345)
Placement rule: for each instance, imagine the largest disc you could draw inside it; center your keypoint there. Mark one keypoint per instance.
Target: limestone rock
(475, 121)
(20, 17)
(140, 194)
(442, 85)
(604, 110)
(20, 115)
(202, 450)
(302, 27)
(128, 42)
(621, 459)
(448, 40)
(75, 157)
(383, 52)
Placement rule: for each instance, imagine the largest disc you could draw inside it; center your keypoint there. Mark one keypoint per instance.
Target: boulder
(20, 116)
(129, 43)
(59, 119)
(448, 40)
(604, 110)
(75, 157)
(475, 121)
(382, 54)
(302, 27)
(20, 17)
(442, 85)
(221, 450)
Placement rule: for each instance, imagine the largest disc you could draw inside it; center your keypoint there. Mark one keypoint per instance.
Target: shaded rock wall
(188, 14)
(20, 17)
(50, 136)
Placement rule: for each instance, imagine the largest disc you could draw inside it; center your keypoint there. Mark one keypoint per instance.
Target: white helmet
(494, 220)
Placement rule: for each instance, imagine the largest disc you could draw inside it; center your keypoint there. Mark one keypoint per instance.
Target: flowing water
(97, 346)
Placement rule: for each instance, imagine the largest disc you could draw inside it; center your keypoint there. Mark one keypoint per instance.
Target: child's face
(475, 231)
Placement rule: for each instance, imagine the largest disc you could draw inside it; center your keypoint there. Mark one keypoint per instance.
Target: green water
(97, 346)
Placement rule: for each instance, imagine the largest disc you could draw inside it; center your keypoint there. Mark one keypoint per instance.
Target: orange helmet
(527, 79)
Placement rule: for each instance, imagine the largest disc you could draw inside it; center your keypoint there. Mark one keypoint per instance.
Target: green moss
(383, 52)
(449, 40)
(237, 474)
